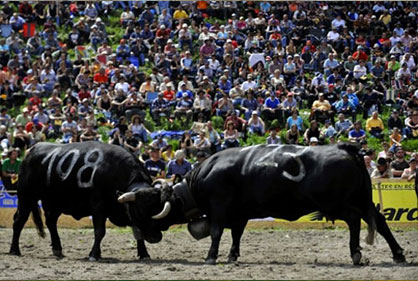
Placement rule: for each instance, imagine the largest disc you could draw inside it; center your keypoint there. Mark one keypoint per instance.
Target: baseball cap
(313, 139)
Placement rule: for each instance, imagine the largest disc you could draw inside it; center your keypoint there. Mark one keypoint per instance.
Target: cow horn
(126, 197)
(159, 181)
(164, 212)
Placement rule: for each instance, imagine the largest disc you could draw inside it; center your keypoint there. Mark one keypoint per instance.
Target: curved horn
(302, 171)
(159, 181)
(164, 212)
(126, 197)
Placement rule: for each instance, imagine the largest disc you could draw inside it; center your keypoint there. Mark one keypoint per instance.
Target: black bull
(284, 182)
(80, 180)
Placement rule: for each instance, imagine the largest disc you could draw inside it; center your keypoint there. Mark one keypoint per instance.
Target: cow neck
(183, 192)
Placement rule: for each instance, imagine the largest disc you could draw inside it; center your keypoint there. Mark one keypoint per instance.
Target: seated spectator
(289, 105)
(321, 109)
(202, 143)
(295, 119)
(224, 105)
(186, 144)
(272, 109)
(411, 172)
(214, 138)
(356, 134)
(202, 105)
(374, 125)
(230, 136)
(399, 164)
(369, 164)
(395, 121)
(178, 166)
(132, 144)
(239, 123)
(395, 138)
(10, 169)
(159, 107)
(139, 131)
(256, 125)
(89, 134)
(382, 171)
(411, 126)
(168, 153)
(159, 143)
(313, 141)
(248, 104)
(184, 108)
(346, 107)
(273, 138)
(154, 165)
(328, 131)
(343, 126)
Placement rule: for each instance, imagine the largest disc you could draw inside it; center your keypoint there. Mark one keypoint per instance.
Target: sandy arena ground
(265, 254)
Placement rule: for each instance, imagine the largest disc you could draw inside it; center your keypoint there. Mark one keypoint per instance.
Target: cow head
(147, 207)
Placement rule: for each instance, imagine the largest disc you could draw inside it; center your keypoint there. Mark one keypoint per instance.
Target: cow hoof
(93, 259)
(15, 252)
(356, 258)
(399, 258)
(210, 261)
(232, 259)
(145, 259)
(58, 253)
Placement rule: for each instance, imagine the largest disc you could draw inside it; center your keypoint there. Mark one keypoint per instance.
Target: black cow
(285, 182)
(79, 179)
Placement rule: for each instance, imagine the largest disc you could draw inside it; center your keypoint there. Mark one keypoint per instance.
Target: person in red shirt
(169, 93)
(101, 76)
(35, 100)
(162, 35)
(308, 46)
(83, 94)
(385, 42)
(360, 54)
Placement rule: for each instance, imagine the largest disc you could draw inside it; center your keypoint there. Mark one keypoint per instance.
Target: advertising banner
(7, 199)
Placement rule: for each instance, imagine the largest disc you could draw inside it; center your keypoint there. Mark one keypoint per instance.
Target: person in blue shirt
(249, 104)
(179, 165)
(346, 107)
(357, 134)
(330, 64)
(154, 165)
(272, 109)
(184, 90)
(123, 49)
(295, 119)
(224, 84)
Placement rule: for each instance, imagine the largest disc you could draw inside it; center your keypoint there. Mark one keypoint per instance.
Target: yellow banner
(396, 197)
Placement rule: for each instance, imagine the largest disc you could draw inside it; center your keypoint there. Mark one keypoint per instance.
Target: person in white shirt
(249, 84)
(360, 70)
(333, 35)
(338, 22)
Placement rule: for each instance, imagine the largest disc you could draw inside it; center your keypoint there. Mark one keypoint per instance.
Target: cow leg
(51, 219)
(354, 226)
(236, 232)
(142, 249)
(99, 223)
(19, 219)
(216, 232)
(383, 229)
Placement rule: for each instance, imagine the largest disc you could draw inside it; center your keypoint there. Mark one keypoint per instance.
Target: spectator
(178, 166)
(273, 138)
(410, 173)
(154, 165)
(256, 125)
(399, 164)
(230, 136)
(382, 170)
(10, 168)
(374, 125)
(356, 134)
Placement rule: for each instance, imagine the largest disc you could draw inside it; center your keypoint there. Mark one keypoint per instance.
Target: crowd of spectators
(306, 73)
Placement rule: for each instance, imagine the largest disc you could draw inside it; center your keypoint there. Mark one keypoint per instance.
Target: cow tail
(37, 219)
(353, 150)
